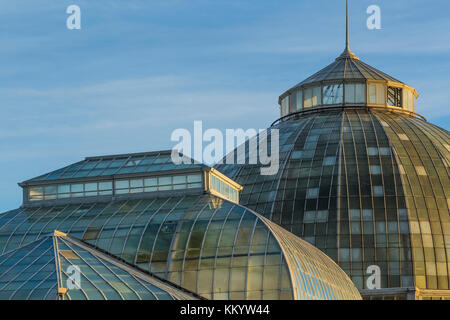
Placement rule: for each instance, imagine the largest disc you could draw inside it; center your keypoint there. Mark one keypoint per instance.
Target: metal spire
(347, 54)
(346, 42)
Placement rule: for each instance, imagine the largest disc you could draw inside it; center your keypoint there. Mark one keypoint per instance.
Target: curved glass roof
(43, 269)
(203, 243)
(367, 187)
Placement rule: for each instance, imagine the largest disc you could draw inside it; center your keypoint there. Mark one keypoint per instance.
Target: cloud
(121, 104)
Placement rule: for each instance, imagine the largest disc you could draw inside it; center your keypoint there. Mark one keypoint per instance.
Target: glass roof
(116, 165)
(348, 68)
(358, 183)
(205, 244)
(38, 269)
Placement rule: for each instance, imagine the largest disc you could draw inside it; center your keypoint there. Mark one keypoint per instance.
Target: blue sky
(139, 69)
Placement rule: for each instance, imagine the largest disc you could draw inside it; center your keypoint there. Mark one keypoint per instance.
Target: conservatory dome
(362, 177)
(348, 82)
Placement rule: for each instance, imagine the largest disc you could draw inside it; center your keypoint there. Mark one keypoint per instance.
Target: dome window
(313, 97)
(377, 93)
(395, 96)
(299, 101)
(409, 100)
(285, 106)
(333, 94)
(355, 93)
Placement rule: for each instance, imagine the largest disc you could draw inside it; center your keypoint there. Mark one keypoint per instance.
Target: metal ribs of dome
(347, 67)
(43, 268)
(367, 187)
(210, 246)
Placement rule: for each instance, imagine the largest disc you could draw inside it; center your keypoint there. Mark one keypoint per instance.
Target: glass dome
(366, 186)
(207, 245)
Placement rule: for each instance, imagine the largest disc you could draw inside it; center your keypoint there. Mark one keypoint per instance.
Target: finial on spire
(347, 52)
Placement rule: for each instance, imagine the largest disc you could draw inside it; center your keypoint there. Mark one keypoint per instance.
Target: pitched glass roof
(38, 270)
(116, 165)
(348, 67)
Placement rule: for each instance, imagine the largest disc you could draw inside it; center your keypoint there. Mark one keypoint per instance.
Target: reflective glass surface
(37, 270)
(366, 188)
(116, 165)
(205, 244)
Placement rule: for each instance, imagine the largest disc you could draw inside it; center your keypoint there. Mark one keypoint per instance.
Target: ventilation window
(395, 97)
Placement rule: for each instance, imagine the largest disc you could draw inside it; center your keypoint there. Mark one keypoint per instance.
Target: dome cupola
(348, 82)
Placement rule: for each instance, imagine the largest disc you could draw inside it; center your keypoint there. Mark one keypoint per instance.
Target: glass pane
(63, 195)
(349, 93)
(50, 190)
(136, 183)
(195, 178)
(194, 185)
(64, 188)
(355, 93)
(90, 186)
(381, 94)
(317, 96)
(179, 179)
(165, 181)
(151, 182)
(122, 184)
(299, 105)
(36, 193)
(76, 188)
(105, 185)
(308, 98)
(377, 93)
(408, 100)
(332, 94)
(372, 93)
(285, 106)
(360, 93)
